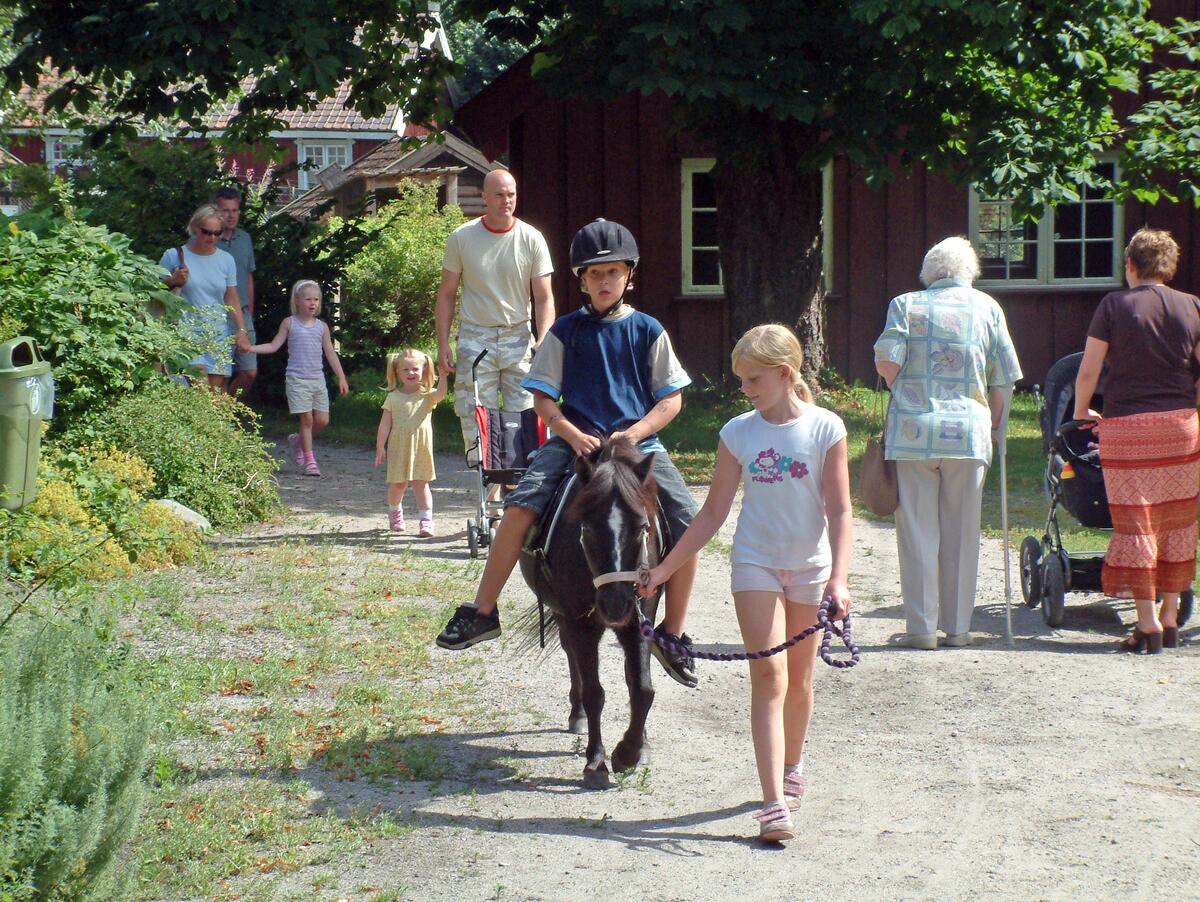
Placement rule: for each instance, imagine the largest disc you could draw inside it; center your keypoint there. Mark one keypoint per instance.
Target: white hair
(950, 258)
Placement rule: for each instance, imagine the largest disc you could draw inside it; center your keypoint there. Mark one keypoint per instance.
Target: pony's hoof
(623, 759)
(596, 778)
(577, 725)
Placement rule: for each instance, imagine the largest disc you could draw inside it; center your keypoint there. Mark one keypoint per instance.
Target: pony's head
(614, 506)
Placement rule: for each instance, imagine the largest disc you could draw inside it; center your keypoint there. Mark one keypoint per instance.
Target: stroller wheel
(472, 539)
(1054, 592)
(1031, 571)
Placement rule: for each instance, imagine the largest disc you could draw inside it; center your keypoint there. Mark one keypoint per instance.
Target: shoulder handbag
(877, 488)
(178, 289)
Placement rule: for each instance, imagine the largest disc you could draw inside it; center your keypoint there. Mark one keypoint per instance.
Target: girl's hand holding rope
(839, 599)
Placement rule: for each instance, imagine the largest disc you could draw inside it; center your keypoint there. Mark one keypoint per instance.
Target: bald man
(501, 264)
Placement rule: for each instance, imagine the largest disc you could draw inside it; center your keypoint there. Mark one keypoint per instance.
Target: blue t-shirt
(608, 372)
(208, 277)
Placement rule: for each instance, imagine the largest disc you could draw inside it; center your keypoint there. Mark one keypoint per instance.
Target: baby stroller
(1074, 480)
(502, 450)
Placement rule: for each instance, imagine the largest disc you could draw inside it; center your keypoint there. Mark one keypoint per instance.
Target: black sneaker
(679, 665)
(468, 627)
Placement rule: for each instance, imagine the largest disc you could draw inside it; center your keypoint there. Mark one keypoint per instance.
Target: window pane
(1099, 220)
(1068, 221)
(1068, 260)
(1098, 257)
(703, 192)
(1016, 260)
(704, 230)
(706, 268)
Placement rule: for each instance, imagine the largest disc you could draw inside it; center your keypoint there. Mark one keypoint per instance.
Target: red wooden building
(577, 160)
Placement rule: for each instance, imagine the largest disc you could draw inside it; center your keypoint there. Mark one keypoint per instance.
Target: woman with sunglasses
(207, 279)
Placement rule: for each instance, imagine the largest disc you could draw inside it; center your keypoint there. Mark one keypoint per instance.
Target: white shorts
(801, 586)
(306, 395)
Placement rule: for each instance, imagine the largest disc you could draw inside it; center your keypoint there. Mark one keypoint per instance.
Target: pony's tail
(527, 634)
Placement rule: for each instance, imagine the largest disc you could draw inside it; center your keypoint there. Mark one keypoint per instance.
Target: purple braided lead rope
(824, 623)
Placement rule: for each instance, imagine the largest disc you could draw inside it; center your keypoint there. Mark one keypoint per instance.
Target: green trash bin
(26, 400)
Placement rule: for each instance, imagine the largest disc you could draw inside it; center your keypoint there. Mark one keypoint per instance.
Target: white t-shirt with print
(782, 524)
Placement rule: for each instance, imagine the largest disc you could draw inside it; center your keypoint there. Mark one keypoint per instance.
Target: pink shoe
(297, 451)
(396, 521)
(794, 786)
(311, 468)
(426, 529)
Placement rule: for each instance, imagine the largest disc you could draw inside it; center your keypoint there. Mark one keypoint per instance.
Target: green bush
(86, 297)
(91, 521)
(71, 762)
(389, 289)
(203, 446)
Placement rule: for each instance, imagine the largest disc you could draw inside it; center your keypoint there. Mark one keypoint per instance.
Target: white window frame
(306, 179)
(62, 151)
(690, 166)
(1045, 248)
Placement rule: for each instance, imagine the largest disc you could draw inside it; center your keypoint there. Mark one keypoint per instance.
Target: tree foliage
(175, 60)
(389, 286)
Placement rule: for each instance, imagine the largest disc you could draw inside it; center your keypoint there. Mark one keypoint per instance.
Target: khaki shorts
(510, 352)
(306, 395)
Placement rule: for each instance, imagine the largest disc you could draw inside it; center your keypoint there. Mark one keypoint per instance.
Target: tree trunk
(769, 227)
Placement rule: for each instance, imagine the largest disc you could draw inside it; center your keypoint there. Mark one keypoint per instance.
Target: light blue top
(208, 277)
(952, 344)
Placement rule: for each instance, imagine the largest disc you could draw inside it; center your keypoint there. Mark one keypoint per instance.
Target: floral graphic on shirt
(946, 358)
(770, 466)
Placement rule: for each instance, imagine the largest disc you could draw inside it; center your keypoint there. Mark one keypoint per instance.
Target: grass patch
(320, 664)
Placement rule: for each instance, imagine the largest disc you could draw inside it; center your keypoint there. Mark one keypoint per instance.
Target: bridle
(644, 562)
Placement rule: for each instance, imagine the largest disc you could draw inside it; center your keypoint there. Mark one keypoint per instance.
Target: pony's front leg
(576, 720)
(630, 751)
(583, 643)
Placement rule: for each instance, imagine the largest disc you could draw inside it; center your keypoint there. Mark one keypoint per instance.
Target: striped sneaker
(775, 823)
(793, 790)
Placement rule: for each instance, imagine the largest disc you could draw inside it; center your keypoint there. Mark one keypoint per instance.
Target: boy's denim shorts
(555, 461)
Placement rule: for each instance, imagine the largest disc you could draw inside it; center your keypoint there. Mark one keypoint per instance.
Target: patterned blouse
(951, 343)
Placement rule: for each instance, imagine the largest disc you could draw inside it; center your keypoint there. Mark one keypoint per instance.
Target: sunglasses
(209, 232)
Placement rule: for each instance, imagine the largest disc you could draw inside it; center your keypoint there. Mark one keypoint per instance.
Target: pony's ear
(643, 468)
(584, 469)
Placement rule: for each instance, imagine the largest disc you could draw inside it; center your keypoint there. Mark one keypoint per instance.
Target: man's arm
(250, 293)
(543, 308)
(443, 317)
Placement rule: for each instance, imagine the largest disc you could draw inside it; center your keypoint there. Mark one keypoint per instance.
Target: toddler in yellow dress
(405, 434)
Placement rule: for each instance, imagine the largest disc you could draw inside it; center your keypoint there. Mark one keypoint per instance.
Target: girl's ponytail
(772, 345)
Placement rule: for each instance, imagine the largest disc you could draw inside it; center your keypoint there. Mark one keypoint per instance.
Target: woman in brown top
(1149, 436)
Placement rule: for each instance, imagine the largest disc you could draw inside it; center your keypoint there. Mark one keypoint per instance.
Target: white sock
(393, 507)
(425, 513)
(794, 768)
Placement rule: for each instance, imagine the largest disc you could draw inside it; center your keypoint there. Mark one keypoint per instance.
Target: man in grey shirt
(237, 243)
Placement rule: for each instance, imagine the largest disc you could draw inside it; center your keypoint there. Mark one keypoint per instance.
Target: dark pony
(610, 527)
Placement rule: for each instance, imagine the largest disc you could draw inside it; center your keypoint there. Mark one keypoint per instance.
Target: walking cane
(1003, 449)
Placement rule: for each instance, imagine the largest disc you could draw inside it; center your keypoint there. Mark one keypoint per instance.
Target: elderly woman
(946, 355)
(207, 278)
(1149, 439)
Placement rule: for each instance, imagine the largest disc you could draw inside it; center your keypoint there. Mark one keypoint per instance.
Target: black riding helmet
(601, 241)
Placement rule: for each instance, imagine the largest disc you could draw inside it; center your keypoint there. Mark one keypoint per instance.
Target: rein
(825, 623)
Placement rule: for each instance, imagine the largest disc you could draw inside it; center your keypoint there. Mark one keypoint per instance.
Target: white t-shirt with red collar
(782, 524)
(495, 269)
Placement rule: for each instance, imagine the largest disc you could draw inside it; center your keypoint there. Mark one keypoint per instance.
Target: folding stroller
(1074, 480)
(499, 456)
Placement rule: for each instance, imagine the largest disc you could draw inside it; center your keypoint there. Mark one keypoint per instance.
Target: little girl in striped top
(307, 339)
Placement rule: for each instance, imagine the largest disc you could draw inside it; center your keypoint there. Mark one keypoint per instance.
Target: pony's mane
(613, 474)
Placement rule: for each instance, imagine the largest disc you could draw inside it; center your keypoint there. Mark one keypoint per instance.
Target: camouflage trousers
(509, 353)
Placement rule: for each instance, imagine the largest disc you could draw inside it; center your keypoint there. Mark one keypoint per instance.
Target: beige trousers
(510, 353)
(937, 531)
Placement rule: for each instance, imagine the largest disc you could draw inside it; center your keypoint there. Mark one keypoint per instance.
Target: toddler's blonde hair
(428, 374)
(772, 345)
(300, 286)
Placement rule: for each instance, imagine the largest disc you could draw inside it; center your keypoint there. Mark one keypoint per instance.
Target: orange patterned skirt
(1152, 474)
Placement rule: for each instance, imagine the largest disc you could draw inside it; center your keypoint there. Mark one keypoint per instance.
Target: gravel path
(1055, 770)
